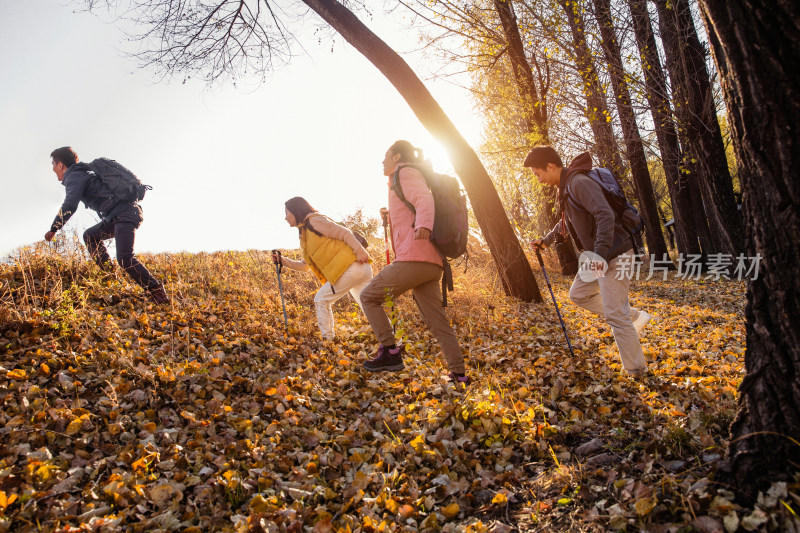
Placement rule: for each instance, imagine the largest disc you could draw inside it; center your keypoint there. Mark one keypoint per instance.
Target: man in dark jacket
(119, 220)
(602, 286)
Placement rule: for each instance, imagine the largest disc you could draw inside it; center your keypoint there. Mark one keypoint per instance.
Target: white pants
(608, 298)
(353, 280)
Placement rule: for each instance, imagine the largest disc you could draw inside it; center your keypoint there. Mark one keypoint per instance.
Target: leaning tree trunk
(515, 271)
(534, 103)
(630, 131)
(755, 45)
(596, 106)
(686, 230)
(702, 127)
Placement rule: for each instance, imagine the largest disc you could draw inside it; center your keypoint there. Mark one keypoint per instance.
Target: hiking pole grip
(278, 268)
(553, 296)
(279, 262)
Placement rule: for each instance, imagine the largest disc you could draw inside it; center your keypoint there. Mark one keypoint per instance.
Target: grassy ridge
(208, 415)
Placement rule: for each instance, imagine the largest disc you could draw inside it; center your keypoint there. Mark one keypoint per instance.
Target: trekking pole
(278, 268)
(386, 235)
(558, 312)
(385, 218)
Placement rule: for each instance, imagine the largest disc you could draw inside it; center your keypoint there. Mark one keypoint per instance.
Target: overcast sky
(222, 161)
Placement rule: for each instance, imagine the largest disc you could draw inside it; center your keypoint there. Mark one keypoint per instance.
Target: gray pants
(423, 279)
(608, 297)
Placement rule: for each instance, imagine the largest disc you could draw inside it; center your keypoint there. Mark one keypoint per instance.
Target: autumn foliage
(209, 415)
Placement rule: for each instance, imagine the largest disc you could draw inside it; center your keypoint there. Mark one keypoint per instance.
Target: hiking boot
(641, 321)
(387, 360)
(159, 295)
(457, 379)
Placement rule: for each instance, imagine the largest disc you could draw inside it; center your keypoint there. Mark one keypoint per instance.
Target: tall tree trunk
(630, 131)
(686, 230)
(691, 151)
(535, 113)
(755, 45)
(702, 126)
(515, 271)
(596, 107)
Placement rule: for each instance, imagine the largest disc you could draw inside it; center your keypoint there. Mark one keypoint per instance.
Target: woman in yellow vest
(331, 252)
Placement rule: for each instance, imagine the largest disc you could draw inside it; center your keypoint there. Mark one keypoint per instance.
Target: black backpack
(450, 230)
(626, 213)
(124, 184)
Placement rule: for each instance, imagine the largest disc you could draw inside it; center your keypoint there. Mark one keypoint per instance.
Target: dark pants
(122, 228)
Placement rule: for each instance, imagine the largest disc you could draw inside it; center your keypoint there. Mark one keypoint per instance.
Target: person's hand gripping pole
(278, 260)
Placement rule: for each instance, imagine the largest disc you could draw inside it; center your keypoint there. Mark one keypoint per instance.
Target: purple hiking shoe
(387, 360)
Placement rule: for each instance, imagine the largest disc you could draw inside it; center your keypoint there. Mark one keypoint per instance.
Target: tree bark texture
(756, 44)
(596, 108)
(534, 103)
(686, 232)
(700, 123)
(535, 112)
(691, 151)
(630, 131)
(515, 270)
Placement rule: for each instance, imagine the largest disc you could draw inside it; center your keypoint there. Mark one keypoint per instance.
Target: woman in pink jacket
(417, 267)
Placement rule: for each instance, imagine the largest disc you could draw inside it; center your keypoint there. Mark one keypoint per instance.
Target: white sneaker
(641, 321)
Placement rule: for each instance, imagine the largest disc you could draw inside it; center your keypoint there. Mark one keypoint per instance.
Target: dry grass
(508, 442)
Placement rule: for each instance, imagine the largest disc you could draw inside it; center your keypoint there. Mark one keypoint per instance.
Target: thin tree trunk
(514, 268)
(630, 131)
(755, 46)
(596, 108)
(701, 125)
(535, 113)
(686, 231)
(534, 104)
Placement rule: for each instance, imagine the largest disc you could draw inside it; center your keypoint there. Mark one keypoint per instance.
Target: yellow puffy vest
(327, 257)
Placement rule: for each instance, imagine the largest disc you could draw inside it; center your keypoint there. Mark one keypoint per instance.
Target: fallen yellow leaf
(500, 498)
(451, 511)
(6, 500)
(74, 426)
(644, 506)
(17, 373)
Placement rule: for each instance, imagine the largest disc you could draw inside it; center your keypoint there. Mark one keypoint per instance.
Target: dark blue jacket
(82, 185)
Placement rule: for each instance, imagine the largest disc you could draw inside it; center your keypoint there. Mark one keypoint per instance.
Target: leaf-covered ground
(208, 416)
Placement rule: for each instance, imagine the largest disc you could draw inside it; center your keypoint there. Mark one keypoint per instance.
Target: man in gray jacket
(602, 287)
(119, 220)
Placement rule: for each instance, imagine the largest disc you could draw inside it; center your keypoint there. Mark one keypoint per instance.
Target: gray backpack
(124, 184)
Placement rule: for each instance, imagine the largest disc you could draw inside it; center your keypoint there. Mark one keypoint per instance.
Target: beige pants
(352, 281)
(423, 280)
(608, 297)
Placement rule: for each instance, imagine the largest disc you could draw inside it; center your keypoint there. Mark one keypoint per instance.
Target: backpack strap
(568, 197)
(447, 274)
(571, 199)
(447, 280)
(398, 190)
(309, 227)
